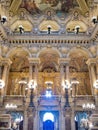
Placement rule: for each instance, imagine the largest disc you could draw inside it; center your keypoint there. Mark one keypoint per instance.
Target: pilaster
(6, 62)
(64, 69)
(67, 114)
(34, 62)
(31, 116)
(91, 66)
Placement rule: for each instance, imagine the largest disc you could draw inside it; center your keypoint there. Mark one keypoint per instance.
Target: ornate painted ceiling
(59, 6)
(17, 11)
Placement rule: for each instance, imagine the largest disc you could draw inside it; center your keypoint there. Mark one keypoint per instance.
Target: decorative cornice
(34, 60)
(6, 61)
(91, 61)
(62, 61)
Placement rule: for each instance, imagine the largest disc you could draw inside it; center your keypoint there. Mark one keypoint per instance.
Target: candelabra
(49, 29)
(66, 86)
(31, 86)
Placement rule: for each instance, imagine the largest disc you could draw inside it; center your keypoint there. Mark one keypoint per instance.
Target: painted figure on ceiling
(39, 5)
(30, 6)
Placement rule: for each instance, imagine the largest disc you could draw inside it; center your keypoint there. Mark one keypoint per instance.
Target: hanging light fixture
(3, 19)
(21, 29)
(10, 106)
(95, 19)
(49, 29)
(77, 28)
(88, 106)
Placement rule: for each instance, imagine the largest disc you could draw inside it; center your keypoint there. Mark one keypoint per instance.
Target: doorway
(48, 125)
(48, 121)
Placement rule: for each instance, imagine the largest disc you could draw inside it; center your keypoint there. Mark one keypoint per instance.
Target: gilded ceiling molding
(95, 33)
(83, 6)
(15, 5)
(3, 34)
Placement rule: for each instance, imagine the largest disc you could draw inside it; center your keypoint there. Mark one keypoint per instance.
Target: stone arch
(79, 69)
(13, 50)
(49, 59)
(82, 49)
(52, 48)
(19, 70)
(48, 116)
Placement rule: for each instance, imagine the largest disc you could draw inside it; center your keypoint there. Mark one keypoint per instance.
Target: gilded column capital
(6, 61)
(91, 61)
(34, 60)
(63, 61)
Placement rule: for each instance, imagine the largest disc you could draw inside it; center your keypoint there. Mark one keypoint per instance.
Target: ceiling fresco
(65, 6)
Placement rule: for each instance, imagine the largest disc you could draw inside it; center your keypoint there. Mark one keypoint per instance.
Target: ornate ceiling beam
(95, 33)
(15, 5)
(3, 34)
(83, 6)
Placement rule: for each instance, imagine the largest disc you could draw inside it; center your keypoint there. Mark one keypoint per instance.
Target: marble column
(25, 120)
(65, 76)
(67, 114)
(96, 90)
(30, 112)
(6, 66)
(33, 68)
(64, 69)
(31, 116)
(1, 92)
(73, 117)
(91, 66)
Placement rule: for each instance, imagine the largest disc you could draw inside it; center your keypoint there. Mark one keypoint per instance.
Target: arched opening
(18, 74)
(48, 121)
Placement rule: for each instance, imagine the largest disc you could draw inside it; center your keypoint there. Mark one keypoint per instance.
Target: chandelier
(85, 123)
(10, 106)
(88, 106)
